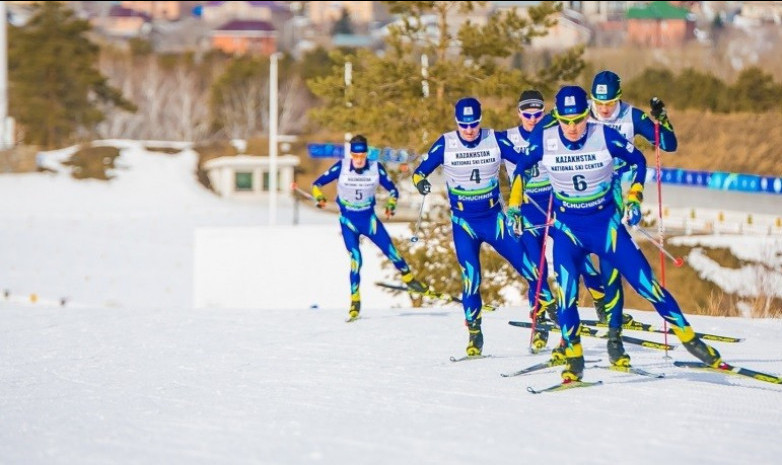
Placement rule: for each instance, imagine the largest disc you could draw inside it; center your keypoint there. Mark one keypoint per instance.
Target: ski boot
(574, 368)
(703, 352)
(413, 284)
(355, 309)
(558, 353)
(540, 335)
(616, 351)
(475, 344)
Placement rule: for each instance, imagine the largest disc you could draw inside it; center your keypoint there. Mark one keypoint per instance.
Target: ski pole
(296, 189)
(536, 303)
(677, 261)
(414, 239)
(660, 228)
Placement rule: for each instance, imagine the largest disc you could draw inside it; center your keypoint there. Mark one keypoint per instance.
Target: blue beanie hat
(358, 144)
(606, 86)
(468, 110)
(571, 100)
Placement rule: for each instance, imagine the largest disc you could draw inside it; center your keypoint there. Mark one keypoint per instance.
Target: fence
(712, 221)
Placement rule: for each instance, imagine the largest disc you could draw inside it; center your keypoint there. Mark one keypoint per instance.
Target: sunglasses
(533, 115)
(472, 125)
(604, 102)
(575, 119)
(358, 154)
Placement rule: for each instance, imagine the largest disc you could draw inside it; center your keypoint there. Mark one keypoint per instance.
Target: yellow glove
(320, 199)
(390, 207)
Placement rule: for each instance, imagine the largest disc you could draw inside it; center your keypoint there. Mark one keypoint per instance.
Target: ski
(564, 385)
(541, 366)
(631, 370)
(351, 319)
(729, 369)
(433, 294)
(468, 357)
(593, 332)
(638, 326)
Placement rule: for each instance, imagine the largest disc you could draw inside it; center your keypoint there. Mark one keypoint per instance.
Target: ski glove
(658, 110)
(633, 205)
(423, 186)
(320, 201)
(515, 222)
(391, 207)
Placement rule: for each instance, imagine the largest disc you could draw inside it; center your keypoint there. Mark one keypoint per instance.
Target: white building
(247, 176)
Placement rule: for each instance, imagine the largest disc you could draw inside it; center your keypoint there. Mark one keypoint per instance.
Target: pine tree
(393, 104)
(55, 89)
(392, 101)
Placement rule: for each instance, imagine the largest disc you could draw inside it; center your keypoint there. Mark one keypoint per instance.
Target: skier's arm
(433, 158)
(644, 125)
(328, 176)
(528, 158)
(386, 182)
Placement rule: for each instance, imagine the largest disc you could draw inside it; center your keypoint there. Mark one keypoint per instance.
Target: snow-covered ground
(130, 371)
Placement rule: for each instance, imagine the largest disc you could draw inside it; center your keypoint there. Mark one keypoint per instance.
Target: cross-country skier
(357, 181)
(471, 158)
(579, 158)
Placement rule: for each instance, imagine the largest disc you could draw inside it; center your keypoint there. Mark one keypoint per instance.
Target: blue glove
(515, 222)
(633, 213)
(633, 205)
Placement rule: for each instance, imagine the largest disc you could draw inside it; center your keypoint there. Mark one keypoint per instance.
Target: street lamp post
(273, 116)
(4, 139)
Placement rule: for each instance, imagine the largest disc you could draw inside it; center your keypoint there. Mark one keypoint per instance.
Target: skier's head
(530, 108)
(606, 92)
(572, 111)
(358, 151)
(468, 118)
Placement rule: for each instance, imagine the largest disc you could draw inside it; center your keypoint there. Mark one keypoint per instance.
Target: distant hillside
(736, 142)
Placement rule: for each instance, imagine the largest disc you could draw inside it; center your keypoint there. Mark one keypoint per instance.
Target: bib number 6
(579, 183)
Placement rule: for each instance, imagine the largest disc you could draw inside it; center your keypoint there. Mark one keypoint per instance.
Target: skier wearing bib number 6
(579, 156)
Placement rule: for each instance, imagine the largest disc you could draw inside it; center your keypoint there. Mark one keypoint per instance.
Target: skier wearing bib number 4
(357, 180)
(471, 158)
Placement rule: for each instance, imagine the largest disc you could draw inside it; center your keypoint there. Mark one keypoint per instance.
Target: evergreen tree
(56, 92)
(394, 102)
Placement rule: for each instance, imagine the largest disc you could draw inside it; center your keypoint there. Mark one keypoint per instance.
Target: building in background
(659, 24)
(168, 11)
(122, 22)
(324, 14)
(239, 37)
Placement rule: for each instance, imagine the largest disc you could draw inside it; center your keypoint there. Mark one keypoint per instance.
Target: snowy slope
(130, 372)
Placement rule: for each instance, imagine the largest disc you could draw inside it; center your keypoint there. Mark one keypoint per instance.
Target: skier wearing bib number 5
(579, 157)
(471, 158)
(357, 180)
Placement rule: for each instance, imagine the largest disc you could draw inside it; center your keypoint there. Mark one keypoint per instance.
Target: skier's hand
(515, 222)
(423, 186)
(633, 205)
(658, 110)
(390, 207)
(320, 201)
